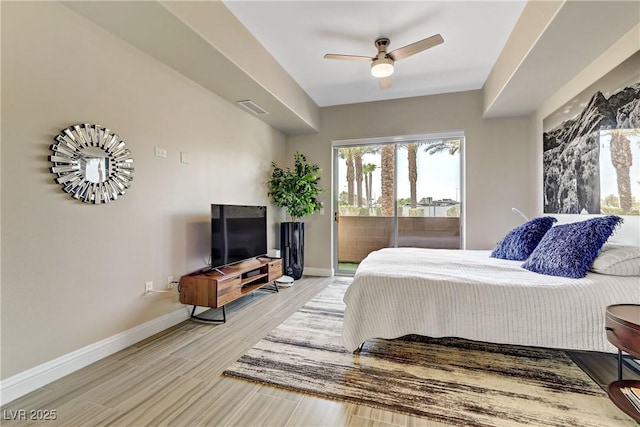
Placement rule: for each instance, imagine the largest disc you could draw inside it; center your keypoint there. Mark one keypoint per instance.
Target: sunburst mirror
(91, 163)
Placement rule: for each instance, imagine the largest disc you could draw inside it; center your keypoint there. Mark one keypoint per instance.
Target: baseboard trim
(41, 375)
(322, 272)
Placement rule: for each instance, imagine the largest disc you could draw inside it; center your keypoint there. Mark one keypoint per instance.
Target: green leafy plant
(296, 190)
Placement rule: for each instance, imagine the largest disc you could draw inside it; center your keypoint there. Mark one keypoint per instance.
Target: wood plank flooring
(174, 379)
(603, 367)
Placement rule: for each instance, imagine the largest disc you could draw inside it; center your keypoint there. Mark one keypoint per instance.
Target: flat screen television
(238, 233)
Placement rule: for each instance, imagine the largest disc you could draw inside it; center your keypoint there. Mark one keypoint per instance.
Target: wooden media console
(217, 287)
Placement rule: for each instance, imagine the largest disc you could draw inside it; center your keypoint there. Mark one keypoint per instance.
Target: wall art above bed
(591, 147)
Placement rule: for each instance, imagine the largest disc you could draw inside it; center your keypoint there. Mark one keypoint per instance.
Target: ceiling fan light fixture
(382, 67)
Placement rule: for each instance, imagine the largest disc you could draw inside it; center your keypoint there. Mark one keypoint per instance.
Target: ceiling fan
(382, 63)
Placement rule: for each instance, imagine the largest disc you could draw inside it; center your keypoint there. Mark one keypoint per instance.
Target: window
(404, 191)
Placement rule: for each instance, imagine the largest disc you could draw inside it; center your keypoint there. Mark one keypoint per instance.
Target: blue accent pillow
(568, 250)
(521, 241)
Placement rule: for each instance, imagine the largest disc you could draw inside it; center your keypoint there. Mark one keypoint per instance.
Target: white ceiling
(298, 34)
(276, 57)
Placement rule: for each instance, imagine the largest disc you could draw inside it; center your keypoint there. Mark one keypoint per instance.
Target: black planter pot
(292, 248)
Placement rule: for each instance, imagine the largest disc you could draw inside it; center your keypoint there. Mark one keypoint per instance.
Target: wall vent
(252, 107)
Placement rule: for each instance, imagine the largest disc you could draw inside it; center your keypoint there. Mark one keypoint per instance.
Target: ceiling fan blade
(347, 57)
(385, 82)
(413, 48)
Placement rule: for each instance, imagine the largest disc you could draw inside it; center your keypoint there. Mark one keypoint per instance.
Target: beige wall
(74, 274)
(498, 157)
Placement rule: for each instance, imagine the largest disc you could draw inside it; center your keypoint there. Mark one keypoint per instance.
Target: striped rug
(447, 380)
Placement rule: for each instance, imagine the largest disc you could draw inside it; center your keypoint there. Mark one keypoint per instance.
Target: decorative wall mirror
(91, 163)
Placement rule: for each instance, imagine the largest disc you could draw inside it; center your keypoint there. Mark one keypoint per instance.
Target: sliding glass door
(400, 192)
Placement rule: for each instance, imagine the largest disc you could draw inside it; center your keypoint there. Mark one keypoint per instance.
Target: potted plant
(296, 190)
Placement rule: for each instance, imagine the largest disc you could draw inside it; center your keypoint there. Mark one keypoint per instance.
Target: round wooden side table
(622, 323)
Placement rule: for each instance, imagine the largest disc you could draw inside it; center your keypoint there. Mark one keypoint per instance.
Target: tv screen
(237, 233)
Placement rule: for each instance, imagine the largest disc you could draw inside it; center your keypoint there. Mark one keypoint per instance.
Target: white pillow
(617, 260)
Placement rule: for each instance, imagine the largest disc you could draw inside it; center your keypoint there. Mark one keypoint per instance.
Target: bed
(468, 294)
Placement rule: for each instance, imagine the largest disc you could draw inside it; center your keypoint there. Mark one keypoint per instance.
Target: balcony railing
(360, 235)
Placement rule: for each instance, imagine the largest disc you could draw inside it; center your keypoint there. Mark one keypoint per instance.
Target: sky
(438, 175)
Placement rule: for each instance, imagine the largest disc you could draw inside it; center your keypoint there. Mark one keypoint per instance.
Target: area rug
(448, 380)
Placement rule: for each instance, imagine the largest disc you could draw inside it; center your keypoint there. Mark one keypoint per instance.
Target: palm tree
(412, 157)
(450, 145)
(359, 151)
(348, 154)
(367, 171)
(388, 179)
(622, 160)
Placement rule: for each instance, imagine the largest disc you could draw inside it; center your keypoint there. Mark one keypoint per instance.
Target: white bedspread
(467, 294)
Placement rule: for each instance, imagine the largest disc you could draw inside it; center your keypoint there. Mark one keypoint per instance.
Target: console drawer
(198, 290)
(275, 270)
(229, 289)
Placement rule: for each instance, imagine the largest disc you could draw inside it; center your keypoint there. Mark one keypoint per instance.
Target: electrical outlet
(148, 287)
(170, 284)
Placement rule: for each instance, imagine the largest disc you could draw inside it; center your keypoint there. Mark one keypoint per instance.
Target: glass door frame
(396, 141)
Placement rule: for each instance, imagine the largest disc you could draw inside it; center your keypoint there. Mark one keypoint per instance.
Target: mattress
(468, 294)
